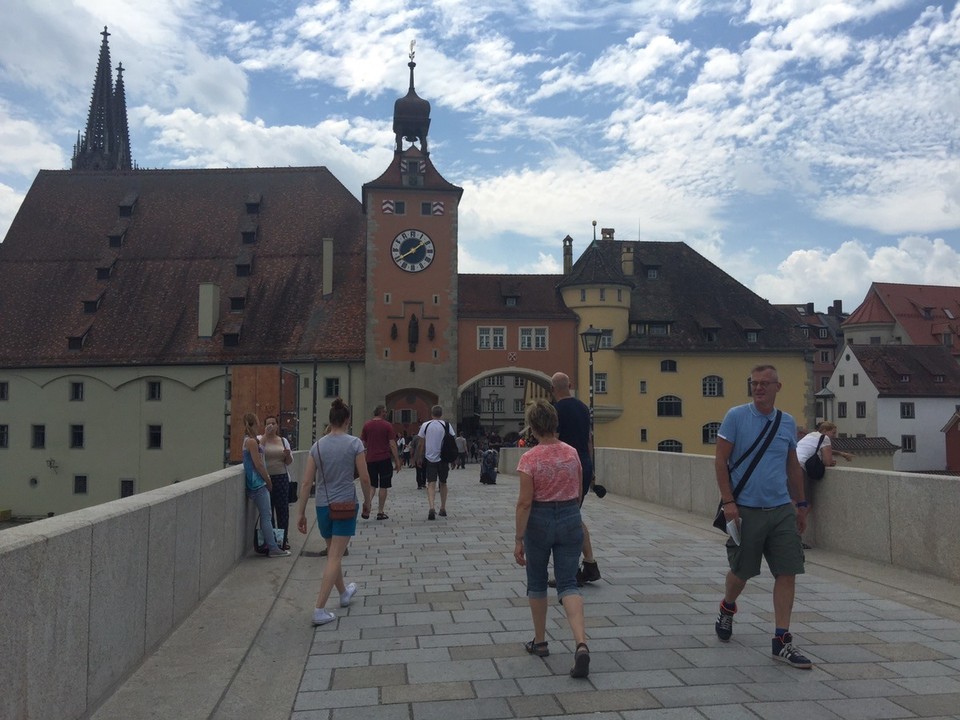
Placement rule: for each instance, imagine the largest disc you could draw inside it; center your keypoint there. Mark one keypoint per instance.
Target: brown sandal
(581, 662)
(535, 648)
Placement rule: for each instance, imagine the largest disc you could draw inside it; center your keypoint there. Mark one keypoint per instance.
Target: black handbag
(814, 466)
(720, 520)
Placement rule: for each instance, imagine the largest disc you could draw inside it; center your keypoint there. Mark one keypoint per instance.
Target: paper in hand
(733, 530)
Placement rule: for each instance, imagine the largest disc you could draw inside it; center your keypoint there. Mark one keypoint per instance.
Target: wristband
(728, 502)
(803, 504)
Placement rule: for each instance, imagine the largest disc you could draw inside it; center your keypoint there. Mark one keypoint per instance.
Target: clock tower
(410, 214)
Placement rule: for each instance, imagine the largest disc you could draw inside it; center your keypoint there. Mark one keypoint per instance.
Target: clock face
(412, 250)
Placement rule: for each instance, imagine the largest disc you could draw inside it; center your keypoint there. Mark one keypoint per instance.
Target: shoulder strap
(756, 458)
(822, 436)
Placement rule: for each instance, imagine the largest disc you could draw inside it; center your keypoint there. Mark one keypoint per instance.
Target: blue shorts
(342, 528)
(553, 528)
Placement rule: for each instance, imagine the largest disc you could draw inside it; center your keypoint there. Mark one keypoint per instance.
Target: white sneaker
(348, 594)
(278, 553)
(322, 617)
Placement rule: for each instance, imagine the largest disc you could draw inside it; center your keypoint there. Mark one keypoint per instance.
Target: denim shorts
(328, 528)
(553, 527)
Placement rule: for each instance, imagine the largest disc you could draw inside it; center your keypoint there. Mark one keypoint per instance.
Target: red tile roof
(537, 297)
(924, 311)
(185, 229)
(931, 370)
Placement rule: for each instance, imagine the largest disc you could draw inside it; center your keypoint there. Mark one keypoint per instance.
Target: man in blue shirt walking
(770, 525)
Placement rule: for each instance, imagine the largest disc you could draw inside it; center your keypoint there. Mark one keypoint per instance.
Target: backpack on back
(448, 448)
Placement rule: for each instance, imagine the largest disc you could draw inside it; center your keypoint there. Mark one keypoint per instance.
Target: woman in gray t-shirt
(332, 463)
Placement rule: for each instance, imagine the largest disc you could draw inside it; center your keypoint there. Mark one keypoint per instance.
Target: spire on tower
(106, 143)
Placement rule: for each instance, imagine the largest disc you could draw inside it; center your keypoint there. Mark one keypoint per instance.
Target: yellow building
(679, 338)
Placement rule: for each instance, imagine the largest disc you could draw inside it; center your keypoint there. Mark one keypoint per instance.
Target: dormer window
(243, 269)
(510, 300)
(104, 273)
(822, 333)
(904, 378)
(710, 335)
(659, 329)
(127, 205)
(76, 342)
(116, 238)
(653, 273)
(248, 237)
(252, 203)
(938, 378)
(752, 336)
(231, 339)
(91, 306)
(237, 304)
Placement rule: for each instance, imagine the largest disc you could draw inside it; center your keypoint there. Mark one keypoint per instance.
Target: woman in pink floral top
(548, 522)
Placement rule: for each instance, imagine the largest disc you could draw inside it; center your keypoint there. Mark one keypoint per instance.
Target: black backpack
(448, 448)
(814, 464)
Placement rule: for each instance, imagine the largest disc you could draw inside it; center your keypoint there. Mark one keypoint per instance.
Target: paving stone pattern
(437, 628)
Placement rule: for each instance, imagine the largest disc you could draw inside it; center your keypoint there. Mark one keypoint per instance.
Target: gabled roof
(184, 230)
(691, 295)
(536, 296)
(931, 370)
(924, 311)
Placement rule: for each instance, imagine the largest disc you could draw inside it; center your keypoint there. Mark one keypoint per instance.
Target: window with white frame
(518, 406)
(710, 431)
(713, 386)
(907, 411)
(499, 334)
(494, 381)
(908, 443)
(483, 338)
(526, 338)
(519, 382)
(606, 339)
(670, 446)
(600, 383)
(669, 406)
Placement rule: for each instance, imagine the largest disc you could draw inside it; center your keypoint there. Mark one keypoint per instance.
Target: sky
(807, 148)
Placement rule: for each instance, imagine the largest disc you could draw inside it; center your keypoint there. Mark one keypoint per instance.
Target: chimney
(327, 266)
(208, 309)
(810, 310)
(606, 233)
(626, 259)
(567, 255)
(838, 308)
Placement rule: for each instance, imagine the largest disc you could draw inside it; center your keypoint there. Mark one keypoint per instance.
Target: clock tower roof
(411, 114)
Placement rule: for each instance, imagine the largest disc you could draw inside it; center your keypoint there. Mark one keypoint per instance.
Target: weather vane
(412, 53)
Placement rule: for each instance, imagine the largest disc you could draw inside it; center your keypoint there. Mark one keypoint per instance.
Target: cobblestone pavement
(436, 631)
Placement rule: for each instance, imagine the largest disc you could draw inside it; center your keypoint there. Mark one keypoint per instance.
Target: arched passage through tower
(493, 401)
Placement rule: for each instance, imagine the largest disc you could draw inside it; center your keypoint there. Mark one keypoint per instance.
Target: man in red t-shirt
(382, 456)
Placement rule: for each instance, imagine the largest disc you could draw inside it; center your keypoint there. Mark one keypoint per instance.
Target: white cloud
(26, 147)
(10, 201)
(822, 275)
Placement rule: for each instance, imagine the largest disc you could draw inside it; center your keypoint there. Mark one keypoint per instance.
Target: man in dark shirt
(383, 457)
(574, 430)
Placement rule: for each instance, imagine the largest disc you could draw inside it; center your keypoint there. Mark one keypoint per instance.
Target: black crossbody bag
(719, 520)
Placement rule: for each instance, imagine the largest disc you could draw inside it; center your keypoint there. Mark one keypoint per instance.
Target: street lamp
(591, 343)
(493, 411)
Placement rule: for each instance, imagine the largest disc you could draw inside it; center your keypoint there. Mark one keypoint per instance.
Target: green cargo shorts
(767, 533)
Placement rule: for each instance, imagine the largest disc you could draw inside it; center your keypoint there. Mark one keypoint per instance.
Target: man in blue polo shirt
(770, 526)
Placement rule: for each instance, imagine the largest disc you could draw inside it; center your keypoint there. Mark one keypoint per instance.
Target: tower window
(76, 391)
(79, 484)
(153, 390)
(76, 436)
(426, 208)
(154, 437)
(237, 304)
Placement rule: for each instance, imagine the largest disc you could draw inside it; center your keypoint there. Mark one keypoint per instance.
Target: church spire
(106, 143)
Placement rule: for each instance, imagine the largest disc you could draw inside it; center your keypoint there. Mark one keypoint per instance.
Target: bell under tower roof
(411, 113)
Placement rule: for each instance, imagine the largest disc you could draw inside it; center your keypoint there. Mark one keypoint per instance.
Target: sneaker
(784, 651)
(590, 572)
(347, 595)
(322, 617)
(443, 513)
(278, 553)
(724, 625)
(431, 515)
